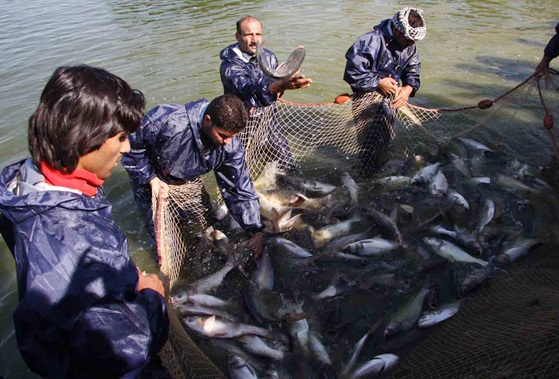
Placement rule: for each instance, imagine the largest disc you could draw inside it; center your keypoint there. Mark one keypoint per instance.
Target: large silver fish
(438, 315)
(517, 250)
(323, 235)
(254, 304)
(451, 252)
(257, 346)
(318, 350)
(290, 248)
(284, 70)
(439, 184)
(386, 223)
(338, 285)
(371, 247)
(376, 367)
(217, 327)
(310, 188)
(240, 369)
(406, 317)
(349, 184)
(426, 174)
(211, 282)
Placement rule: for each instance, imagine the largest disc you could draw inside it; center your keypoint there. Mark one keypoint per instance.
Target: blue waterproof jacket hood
(375, 56)
(79, 314)
(242, 76)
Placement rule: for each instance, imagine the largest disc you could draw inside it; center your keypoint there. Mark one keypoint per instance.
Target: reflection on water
(169, 50)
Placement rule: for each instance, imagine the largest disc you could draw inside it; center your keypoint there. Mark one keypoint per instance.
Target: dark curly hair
(228, 113)
(80, 108)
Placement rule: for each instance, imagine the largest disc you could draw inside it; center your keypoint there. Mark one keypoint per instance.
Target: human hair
(228, 113)
(246, 18)
(79, 109)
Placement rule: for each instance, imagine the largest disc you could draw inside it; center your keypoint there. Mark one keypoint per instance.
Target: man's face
(102, 161)
(218, 136)
(402, 41)
(251, 31)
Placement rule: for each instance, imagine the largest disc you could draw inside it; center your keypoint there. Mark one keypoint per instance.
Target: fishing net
(507, 328)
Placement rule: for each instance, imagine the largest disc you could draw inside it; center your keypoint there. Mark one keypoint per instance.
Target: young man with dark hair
(84, 310)
(179, 143)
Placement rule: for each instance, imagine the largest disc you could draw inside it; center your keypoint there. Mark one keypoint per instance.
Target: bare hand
(387, 86)
(543, 65)
(158, 185)
(150, 281)
(402, 96)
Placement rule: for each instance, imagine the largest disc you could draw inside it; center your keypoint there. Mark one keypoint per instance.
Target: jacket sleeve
(552, 48)
(360, 72)
(137, 162)
(101, 327)
(237, 189)
(412, 71)
(248, 79)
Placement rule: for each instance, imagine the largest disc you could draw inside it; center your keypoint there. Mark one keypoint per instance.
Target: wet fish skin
(284, 70)
(240, 369)
(291, 248)
(323, 235)
(213, 326)
(257, 346)
(439, 315)
(338, 286)
(406, 317)
(387, 225)
(375, 367)
(486, 215)
(473, 145)
(393, 183)
(257, 310)
(457, 198)
(307, 187)
(439, 184)
(351, 186)
(371, 246)
(214, 280)
(519, 249)
(318, 350)
(451, 252)
(425, 174)
(264, 273)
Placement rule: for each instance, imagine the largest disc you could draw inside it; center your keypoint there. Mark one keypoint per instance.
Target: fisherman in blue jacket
(550, 52)
(177, 143)
(85, 310)
(385, 61)
(242, 76)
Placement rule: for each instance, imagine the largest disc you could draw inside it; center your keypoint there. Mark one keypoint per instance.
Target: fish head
(392, 329)
(180, 298)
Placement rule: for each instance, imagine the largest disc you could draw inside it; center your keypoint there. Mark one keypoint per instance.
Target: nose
(227, 141)
(125, 146)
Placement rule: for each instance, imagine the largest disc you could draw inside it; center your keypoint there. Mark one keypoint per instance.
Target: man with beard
(242, 76)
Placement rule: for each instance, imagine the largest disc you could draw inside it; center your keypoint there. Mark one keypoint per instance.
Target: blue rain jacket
(170, 145)
(242, 76)
(375, 56)
(79, 314)
(552, 48)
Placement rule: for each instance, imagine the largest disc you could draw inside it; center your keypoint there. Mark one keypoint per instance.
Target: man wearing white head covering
(385, 60)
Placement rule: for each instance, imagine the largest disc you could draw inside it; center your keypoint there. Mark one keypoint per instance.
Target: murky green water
(169, 50)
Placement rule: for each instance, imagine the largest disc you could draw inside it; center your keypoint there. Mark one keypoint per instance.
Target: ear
(238, 37)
